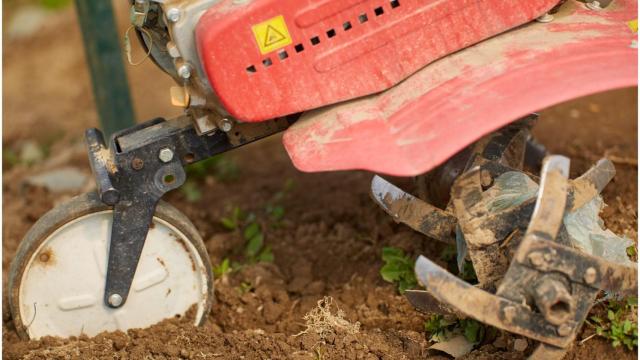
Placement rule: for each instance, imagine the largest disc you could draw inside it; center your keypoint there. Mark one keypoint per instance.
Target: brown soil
(328, 244)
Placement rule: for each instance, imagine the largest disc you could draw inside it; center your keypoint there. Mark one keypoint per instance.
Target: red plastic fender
(269, 58)
(418, 124)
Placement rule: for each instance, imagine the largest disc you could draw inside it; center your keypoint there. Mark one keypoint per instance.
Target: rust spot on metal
(46, 257)
(186, 249)
(104, 156)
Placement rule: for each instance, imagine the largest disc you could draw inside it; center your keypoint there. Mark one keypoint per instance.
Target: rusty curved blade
(424, 302)
(552, 198)
(592, 182)
(413, 212)
(600, 174)
(485, 307)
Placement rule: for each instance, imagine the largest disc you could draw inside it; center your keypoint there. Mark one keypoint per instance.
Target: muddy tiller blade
(532, 280)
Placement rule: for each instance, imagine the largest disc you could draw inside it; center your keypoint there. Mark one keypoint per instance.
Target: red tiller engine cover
(270, 58)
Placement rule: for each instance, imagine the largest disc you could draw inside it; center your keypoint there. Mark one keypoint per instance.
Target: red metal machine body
(269, 58)
(418, 124)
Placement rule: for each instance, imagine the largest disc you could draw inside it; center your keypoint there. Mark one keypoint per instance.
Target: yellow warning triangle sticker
(272, 36)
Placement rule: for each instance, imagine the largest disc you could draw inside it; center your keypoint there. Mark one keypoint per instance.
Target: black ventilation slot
(331, 33)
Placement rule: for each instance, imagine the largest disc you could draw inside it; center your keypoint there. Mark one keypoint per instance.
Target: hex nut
(173, 15)
(165, 155)
(225, 125)
(184, 71)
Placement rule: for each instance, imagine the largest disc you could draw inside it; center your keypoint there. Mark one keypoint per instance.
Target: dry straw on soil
(322, 321)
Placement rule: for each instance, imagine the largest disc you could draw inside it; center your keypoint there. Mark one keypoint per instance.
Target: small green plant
(255, 249)
(398, 269)
(621, 325)
(438, 327)
(274, 209)
(221, 167)
(245, 287)
(631, 251)
(472, 330)
(233, 221)
(442, 328)
(468, 273)
(191, 191)
(223, 268)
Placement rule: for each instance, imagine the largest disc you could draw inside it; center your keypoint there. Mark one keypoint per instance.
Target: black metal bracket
(140, 165)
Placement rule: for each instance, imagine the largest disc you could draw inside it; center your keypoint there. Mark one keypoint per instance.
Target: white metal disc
(61, 288)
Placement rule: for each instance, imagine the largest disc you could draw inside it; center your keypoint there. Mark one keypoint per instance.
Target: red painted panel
(418, 124)
(398, 38)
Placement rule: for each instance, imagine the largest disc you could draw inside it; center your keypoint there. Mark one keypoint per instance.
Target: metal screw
(184, 71)
(546, 18)
(137, 163)
(590, 275)
(564, 330)
(165, 155)
(115, 300)
(536, 259)
(225, 125)
(594, 5)
(173, 15)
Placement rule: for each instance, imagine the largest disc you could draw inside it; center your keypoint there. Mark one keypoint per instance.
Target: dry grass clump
(322, 321)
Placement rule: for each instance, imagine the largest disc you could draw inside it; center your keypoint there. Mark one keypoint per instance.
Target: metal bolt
(553, 299)
(546, 18)
(594, 5)
(115, 300)
(137, 163)
(110, 196)
(225, 125)
(165, 155)
(590, 275)
(184, 71)
(173, 14)
(564, 330)
(536, 259)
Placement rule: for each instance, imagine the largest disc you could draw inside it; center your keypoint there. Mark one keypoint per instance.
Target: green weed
(398, 269)
(255, 249)
(621, 324)
(191, 191)
(468, 273)
(221, 167)
(442, 328)
(223, 268)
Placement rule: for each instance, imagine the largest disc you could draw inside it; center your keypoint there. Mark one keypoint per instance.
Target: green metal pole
(104, 56)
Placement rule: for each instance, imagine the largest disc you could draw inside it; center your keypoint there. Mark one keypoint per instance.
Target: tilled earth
(328, 244)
